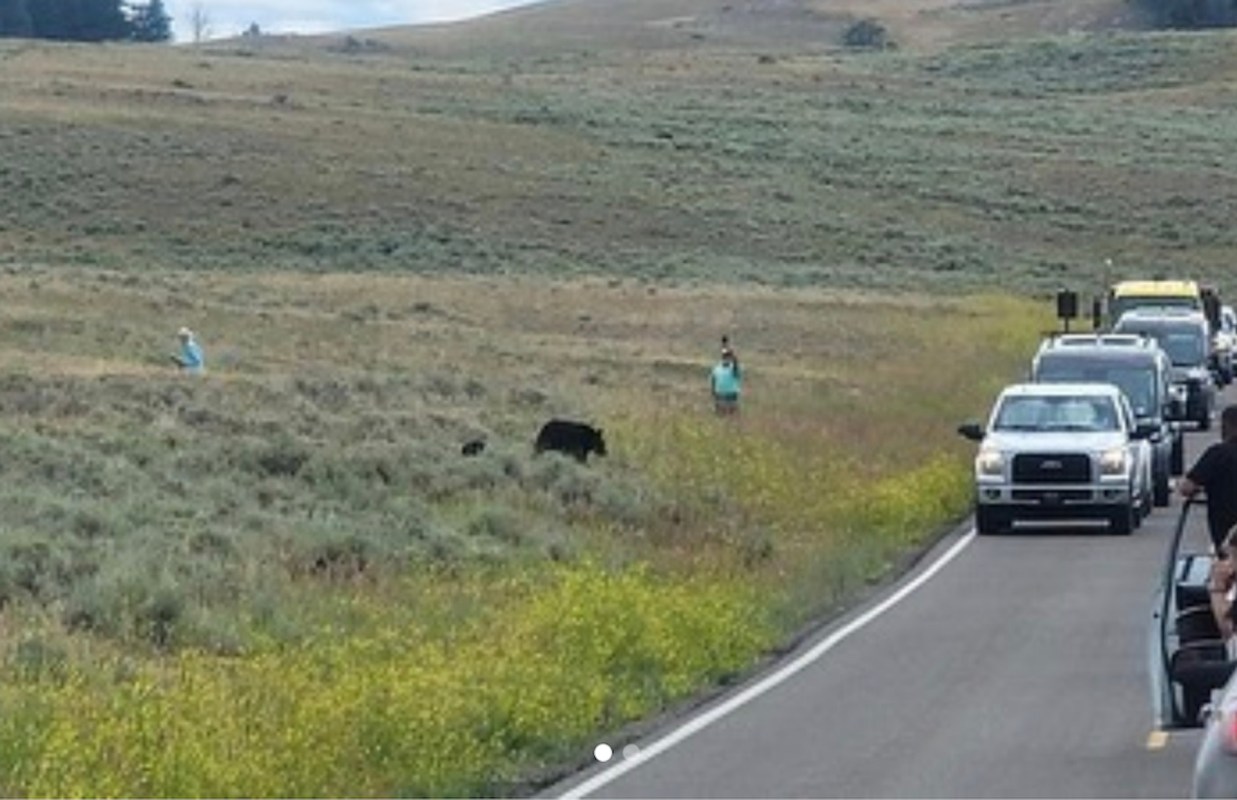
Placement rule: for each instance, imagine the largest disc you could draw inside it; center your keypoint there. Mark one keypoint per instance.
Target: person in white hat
(190, 357)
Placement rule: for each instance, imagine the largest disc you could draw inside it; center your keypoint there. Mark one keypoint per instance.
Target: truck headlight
(1114, 462)
(990, 462)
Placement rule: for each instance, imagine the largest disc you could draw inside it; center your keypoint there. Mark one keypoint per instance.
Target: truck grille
(1052, 468)
(1050, 496)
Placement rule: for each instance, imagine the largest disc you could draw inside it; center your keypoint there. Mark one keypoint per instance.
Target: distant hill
(656, 24)
(996, 145)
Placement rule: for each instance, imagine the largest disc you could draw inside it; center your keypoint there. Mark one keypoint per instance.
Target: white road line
(699, 723)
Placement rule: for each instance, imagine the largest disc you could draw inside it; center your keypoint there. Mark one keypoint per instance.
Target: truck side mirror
(971, 430)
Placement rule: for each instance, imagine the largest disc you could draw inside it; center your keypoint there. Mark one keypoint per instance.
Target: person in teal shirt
(727, 382)
(190, 358)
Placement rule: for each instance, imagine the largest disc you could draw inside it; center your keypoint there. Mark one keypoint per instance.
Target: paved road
(1017, 670)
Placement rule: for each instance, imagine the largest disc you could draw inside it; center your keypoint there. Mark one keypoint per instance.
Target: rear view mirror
(1145, 430)
(971, 430)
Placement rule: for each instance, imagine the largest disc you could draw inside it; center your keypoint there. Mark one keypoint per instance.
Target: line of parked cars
(1095, 434)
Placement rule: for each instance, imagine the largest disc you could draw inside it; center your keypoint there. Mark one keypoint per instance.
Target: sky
(230, 17)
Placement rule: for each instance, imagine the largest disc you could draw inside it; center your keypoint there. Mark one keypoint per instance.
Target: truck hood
(1055, 442)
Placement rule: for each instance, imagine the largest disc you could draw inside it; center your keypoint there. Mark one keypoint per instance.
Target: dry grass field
(299, 522)
(394, 242)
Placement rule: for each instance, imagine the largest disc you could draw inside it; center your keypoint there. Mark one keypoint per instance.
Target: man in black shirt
(1216, 472)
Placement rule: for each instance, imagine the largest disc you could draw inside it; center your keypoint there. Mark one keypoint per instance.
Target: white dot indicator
(603, 752)
(631, 751)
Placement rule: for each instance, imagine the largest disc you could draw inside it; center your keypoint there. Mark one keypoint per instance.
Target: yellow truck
(1178, 294)
(1127, 295)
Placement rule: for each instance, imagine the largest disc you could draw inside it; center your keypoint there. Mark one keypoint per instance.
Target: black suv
(1142, 370)
(1183, 334)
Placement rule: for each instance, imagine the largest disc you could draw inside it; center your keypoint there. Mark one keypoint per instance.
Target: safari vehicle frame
(1187, 658)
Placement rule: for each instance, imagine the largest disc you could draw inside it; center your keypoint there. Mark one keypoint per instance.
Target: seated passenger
(1222, 589)
(1203, 663)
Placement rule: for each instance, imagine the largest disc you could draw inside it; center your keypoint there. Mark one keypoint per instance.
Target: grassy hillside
(658, 146)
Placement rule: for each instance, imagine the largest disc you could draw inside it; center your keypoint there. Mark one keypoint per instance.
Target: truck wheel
(1162, 491)
(1123, 520)
(1176, 461)
(988, 521)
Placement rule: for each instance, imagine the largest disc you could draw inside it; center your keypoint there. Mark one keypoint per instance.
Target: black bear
(473, 447)
(573, 438)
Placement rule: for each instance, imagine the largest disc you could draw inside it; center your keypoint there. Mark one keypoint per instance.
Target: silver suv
(1061, 451)
(1142, 370)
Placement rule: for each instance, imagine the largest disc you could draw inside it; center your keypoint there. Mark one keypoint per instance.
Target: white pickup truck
(1061, 451)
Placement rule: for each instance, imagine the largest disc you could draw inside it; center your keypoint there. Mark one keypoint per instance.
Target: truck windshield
(1138, 383)
(1185, 349)
(1120, 305)
(1186, 346)
(1081, 414)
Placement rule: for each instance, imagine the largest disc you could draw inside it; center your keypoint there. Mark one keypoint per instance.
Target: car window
(1183, 347)
(1020, 413)
(1127, 414)
(1139, 388)
(1081, 414)
(1075, 414)
(1120, 305)
(1138, 383)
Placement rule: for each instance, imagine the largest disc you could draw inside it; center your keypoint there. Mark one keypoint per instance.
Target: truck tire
(1123, 520)
(1162, 491)
(1176, 460)
(989, 521)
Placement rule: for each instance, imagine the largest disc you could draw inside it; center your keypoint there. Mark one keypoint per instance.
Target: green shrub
(498, 523)
(866, 33)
